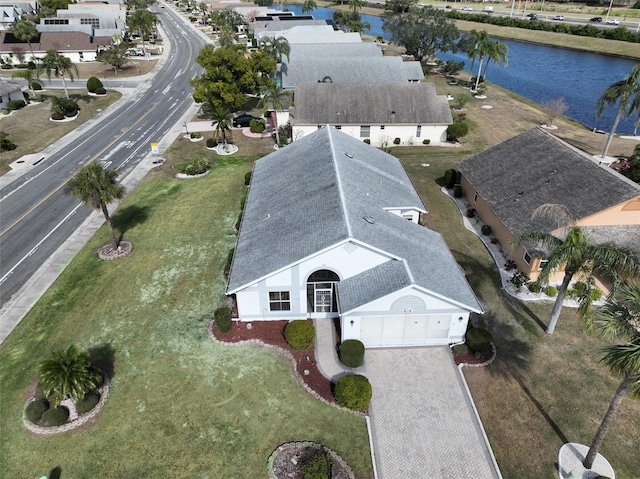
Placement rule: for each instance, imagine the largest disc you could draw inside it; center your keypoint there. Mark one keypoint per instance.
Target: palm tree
(475, 39)
(340, 18)
(356, 5)
(359, 26)
(60, 65)
(624, 92)
(276, 48)
(272, 96)
(222, 120)
(28, 75)
(309, 6)
(96, 186)
(482, 49)
(578, 256)
(25, 31)
(69, 374)
(620, 318)
(497, 53)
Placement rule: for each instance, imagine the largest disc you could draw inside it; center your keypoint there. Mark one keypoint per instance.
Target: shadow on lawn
(104, 358)
(129, 217)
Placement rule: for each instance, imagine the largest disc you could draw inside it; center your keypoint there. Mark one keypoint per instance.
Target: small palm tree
(497, 53)
(578, 256)
(625, 93)
(474, 39)
(96, 186)
(28, 75)
(68, 374)
(272, 97)
(60, 66)
(309, 6)
(25, 30)
(620, 318)
(222, 120)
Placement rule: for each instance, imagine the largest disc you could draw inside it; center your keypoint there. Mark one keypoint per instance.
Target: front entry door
(323, 300)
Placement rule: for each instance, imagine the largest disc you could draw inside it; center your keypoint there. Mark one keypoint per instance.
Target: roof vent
(369, 219)
(348, 154)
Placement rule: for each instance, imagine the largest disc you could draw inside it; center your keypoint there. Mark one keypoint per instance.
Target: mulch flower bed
(469, 359)
(272, 332)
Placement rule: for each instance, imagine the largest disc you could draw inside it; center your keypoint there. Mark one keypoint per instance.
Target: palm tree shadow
(104, 358)
(55, 473)
(130, 216)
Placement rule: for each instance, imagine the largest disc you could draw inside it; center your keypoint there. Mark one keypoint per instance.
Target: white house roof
(328, 188)
(324, 34)
(344, 70)
(369, 104)
(334, 50)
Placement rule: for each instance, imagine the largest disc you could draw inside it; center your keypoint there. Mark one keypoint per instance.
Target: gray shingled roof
(369, 104)
(315, 193)
(535, 168)
(343, 70)
(9, 87)
(334, 50)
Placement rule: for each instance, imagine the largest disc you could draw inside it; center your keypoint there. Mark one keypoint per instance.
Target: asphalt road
(36, 215)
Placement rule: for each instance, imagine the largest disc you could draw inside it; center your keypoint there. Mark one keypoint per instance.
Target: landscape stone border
(292, 362)
(182, 176)
(81, 419)
(304, 445)
(486, 363)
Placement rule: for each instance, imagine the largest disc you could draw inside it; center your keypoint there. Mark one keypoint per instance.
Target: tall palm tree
(620, 318)
(483, 49)
(96, 186)
(276, 47)
(28, 75)
(578, 256)
(60, 66)
(356, 5)
(475, 39)
(68, 374)
(221, 118)
(340, 18)
(624, 93)
(25, 30)
(497, 53)
(309, 6)
(272, 97)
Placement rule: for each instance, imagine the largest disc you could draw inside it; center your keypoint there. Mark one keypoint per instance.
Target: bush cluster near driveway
(209, 409)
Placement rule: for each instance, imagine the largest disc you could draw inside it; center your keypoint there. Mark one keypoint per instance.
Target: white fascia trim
(416, 208)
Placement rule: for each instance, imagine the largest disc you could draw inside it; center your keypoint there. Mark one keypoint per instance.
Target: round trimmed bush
(300, 334)
(314, 464)
(450, 178)
(478, 340)
(57, 116)
(35, 85)
(457, 191)
(222, 318)
(197, 167)
(457, 130)
(595, 294)
(352, 353)
(53, 417)
(211, 143)
(551, 291)
(461, 349)
(486, 230)
(93, 83)
(257, 126)
(100, 91)
(535, 287)
(16, 104)
(35, 410)
(40, 393)
(396, 140)
(367, 141)
(353, 391)
(426, 141)
(88, 402)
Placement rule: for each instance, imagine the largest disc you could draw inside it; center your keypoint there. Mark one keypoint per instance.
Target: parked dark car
(244, 120)
(596, 19)
(533, 16)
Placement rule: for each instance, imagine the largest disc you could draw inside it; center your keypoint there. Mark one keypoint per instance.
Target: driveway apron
(423, 422)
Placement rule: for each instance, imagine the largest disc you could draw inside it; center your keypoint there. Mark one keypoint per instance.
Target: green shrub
(299, 334)
(88, 402)
(5, 111)
(535, 287)
(352, 353)
(222, 318)
(247, 181)
(57, 116)
(16, 104)
(35, 410)
(461, 349)
(450, 178)
(579, 290)
(314, 464)
(196, 134)
(53, 417)
(486, 230)
(551, 291)
(197, 167)
(456, 131)
(367, 141)
(478, 340)
(100, 91)
(595, 294)
(426, 141)
(40, 392)
(457, 191)
(36, 85)
(353, 391)
(7, 145)
(519, 279)
(257, 126)
(211, 143)
(396, 141)
(93, 83)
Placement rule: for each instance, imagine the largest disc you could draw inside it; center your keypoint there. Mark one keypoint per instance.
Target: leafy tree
(25, 31)
(272, 97)
(619, 319)
(96, 186)
(226, 20)
(399, 6)
(115, 55)
(28, 75)
(625, 93)
(133, 5)
(48, 8)
(422, 31)
(222, 120)
(60, 65)
(143, 22)
(356, 5)
(68, 374)
(309, 6)
(578, 256)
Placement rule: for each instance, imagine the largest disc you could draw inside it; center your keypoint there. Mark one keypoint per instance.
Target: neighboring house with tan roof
(9, 91)
(379, 113)
(77, 46)
(506, 183)
(330, 230)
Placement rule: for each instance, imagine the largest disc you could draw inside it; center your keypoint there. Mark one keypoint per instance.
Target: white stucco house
(379, 113)
(330, 230)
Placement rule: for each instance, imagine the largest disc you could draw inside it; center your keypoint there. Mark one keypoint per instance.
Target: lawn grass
(180, 405)
(21, 125)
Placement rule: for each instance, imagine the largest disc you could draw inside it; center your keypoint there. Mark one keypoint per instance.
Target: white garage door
(404, 330)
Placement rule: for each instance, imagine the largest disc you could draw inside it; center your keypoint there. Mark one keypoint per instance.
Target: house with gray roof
(506, 183)
(377, 112)
(9, 91)
(330, 230)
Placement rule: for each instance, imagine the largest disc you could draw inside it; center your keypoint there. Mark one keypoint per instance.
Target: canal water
(540, 73)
